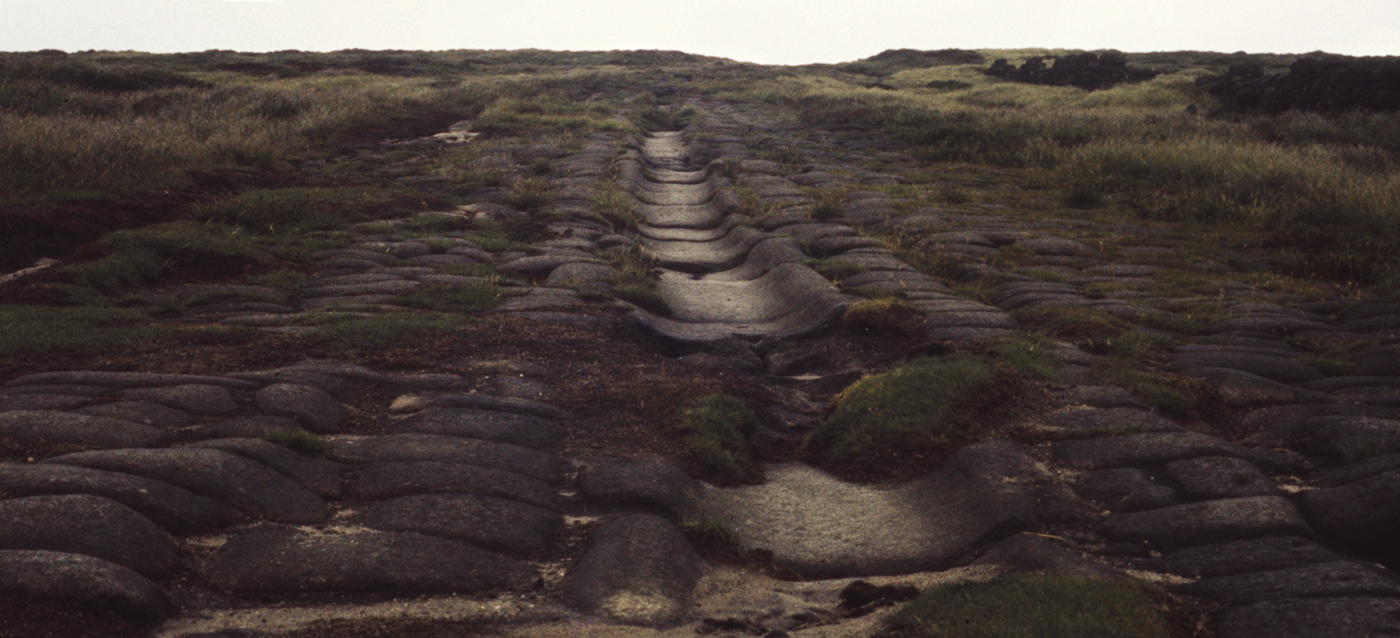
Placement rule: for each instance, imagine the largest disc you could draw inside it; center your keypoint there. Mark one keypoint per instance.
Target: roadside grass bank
(1318, 193)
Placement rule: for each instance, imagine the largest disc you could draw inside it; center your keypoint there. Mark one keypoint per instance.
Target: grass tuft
(885, 315)
(715, 432)
(381, 331)
(299, 441)
(905, 421)
(464, 298)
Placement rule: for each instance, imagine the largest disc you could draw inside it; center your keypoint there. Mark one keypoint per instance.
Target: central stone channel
(721, 278)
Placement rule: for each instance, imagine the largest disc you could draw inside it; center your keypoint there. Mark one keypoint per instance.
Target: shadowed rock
(1365, 511)
(628, 482)
(501, 427)
(199, 398)
(28, 426)
(173, 508)
(310, 406)
(451, 449)
(251, 487)
(1318, 580)
(1312, 618)
(318, 475)
(377, 481)
(1246, 556)
(39, 574)
(1211, 522)
(494, 523)
(91, 525)
(143, 412)
(276, 559)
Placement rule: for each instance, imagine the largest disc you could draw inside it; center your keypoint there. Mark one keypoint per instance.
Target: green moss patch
(908, 420)
(715, 433)
(1039, 606)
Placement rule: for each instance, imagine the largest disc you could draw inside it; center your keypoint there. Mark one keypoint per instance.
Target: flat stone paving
(466, 498)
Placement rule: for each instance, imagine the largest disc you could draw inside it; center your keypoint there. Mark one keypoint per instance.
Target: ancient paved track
(467, 495)
(720, 278)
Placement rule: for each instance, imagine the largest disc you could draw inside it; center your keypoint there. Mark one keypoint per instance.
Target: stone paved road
(179, 512)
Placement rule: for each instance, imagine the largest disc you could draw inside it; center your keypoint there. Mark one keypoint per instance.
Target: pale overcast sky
(771, 32)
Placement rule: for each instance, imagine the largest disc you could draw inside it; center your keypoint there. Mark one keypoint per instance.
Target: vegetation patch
(714, 538)
(885, 315)
(39, 330)
(835, 269)
(1072, 324)
(660, 119)
(358, 334)
(636, 279)
(1033, 355)
(715, 432)
(908, 420)
(287, 211)
(299, 441)
(460, 298)
(177, 248)
(1040, 606)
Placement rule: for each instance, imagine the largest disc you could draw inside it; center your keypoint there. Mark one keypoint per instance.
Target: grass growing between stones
(361, 334)
(1039, 606)
(884, 315)
(636, 279)
(714, 435)
(289, 211)
(132, 257)
(904, 422)
(463, 298)
(38, 330)
(299, 441)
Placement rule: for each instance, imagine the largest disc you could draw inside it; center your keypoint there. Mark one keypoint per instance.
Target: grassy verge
(1317, 192)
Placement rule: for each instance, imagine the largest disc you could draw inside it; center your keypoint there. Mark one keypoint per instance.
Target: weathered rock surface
(381, 480)
(276, 559)
(487, 521)
(501, 427)
(173, 508)
(638, 569)
(1211, 522)
(250, 487)
(39, 574)
(90, 525)
(309, 406)
(64, 427)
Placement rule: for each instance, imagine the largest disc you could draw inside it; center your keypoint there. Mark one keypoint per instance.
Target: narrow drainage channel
(720, 278)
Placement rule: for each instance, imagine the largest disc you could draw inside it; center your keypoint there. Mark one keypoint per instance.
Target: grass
(835, 269)
(714, 537)
(38, 330)
(290, 211)
(1030, 354)
(714, 437)
(905, 421)
(299, 441)
(636, 279)
(1039, 606)
(1316, 191)
(361, 334)
(884, 315)
(461, 298)
(145, 255)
